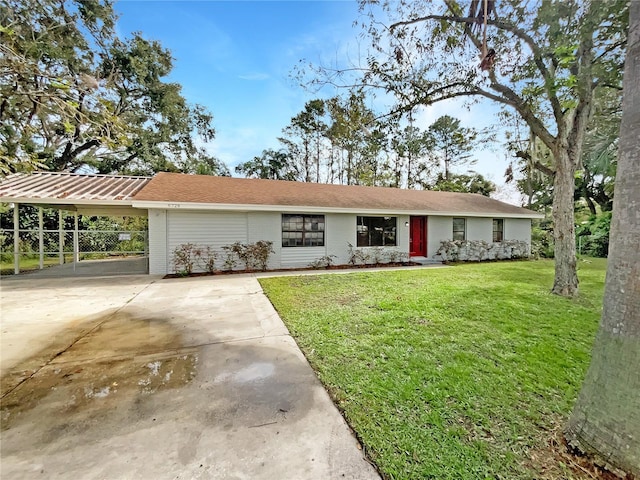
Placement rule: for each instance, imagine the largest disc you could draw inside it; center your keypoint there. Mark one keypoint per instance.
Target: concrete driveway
(139, 377)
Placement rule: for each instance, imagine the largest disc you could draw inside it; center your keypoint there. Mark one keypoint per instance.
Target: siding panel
(439, 229)
(517, 229)
(158, 242)
(203, 228)
(479, 228)
(301, 256)
(267, 226)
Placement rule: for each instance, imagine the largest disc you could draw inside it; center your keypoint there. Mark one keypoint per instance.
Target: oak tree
(543, 60)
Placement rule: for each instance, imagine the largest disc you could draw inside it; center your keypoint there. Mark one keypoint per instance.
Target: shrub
(396, 256)
(479, 250)
(253, 255)
(207, 259)
(323, 262)
(231, 259)
(593, 235)
(377, 255)
(260, 253)
(184, 258)
(542, 243)
(356, 256)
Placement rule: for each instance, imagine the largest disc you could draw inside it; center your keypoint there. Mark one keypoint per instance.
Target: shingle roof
(202, 189)
(71, 187)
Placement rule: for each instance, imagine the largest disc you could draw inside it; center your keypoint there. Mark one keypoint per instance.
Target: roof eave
(65, 201)
(319, 209)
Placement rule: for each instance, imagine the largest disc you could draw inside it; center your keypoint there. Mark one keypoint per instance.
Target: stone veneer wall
(479, 250)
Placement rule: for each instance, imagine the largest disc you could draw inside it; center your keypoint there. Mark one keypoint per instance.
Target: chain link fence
(59, 246)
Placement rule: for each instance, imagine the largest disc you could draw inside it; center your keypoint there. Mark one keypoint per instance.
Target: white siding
(479, 229)
(517, 229)
(267, 226)
(214, 229)
(301, 256)
(403, 234)
(169, 229)
(340, 230)
(158, 242)
(438, 230)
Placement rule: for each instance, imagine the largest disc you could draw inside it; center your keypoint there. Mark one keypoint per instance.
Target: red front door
(418, 237)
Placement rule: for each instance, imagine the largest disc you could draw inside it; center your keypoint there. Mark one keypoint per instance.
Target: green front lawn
(467, 372)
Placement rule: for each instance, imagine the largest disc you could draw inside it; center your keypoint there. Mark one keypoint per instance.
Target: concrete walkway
(143, 378)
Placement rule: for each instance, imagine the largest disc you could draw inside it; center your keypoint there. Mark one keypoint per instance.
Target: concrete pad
(182, 378)
(94, 268)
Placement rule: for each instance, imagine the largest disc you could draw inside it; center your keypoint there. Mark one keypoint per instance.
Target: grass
(28, 263)
(467, 372)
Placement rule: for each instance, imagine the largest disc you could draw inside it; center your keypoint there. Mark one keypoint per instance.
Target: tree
(544, 61)
(412, 147)
(599, 158)
(350, 129)
(74, 94)
(471, 183)
(303, 137)
(272, 164)
(606, 418)
(452, 144)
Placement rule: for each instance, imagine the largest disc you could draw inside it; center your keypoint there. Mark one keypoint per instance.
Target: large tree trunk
(606, 419)
(566, 277)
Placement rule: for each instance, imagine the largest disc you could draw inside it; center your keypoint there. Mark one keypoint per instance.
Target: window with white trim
(376, 231)
(302, 230)
(459, 228)
(498, 230)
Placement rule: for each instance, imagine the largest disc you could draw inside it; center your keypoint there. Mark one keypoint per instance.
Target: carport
(75, 250)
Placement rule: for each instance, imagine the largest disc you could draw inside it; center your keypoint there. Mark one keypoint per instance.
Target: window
(459, 229)
(302, 230)
(376, 231)
(498, 230)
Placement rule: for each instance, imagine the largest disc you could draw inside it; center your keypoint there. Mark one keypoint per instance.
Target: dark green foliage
(472, 183)
(593, 235)
(272, 164)
(542, 244)
(73, 94)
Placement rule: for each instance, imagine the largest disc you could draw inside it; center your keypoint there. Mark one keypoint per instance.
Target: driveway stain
(125, 354)
(163, 387)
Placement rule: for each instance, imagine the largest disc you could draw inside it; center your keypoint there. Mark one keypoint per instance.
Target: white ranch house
(305, 221)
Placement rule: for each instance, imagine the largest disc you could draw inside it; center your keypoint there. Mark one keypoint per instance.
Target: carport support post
(16, 238)
(76, 246)
(61, 236)
(41, 237)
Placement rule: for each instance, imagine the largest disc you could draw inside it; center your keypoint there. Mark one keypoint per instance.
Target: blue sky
(236, 58)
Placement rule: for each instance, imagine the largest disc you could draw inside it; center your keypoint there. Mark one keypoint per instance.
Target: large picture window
(376, 231)
(498, 230)
(459, 229)
(302, 230)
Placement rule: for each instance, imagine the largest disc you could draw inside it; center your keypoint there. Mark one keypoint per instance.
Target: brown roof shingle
(202, 189)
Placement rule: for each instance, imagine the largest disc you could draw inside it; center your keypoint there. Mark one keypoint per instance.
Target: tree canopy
(542, 60)
(75, 95)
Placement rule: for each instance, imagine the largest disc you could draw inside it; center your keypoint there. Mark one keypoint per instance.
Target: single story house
(305, 221)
